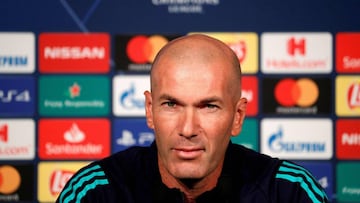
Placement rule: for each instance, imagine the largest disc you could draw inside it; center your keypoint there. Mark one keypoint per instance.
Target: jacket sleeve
(89, 185)
(293, 183)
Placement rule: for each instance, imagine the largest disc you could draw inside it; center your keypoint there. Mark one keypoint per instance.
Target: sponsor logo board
(131, 132)
(17, 52)
(17, 96)
(323, 173)
(245, 45)
(52, 177)
(296, 52)
(294, 96)
(128, 94)
(17, 139)
(297, 139)
(74, 95)
(137, 52)
(347, 182)
(16, 182)
(249, 134)
(74, 53)
(347, 95)
(74, 138)
(250, 90)
(348, 139)
(348, 52)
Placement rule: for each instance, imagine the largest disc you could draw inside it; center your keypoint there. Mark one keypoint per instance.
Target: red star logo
(74, 90)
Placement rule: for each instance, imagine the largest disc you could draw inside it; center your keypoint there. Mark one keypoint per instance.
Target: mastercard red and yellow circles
(10, 179)
(143, 49)
(302, 92)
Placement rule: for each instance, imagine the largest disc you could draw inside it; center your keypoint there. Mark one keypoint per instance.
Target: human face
(193, 113)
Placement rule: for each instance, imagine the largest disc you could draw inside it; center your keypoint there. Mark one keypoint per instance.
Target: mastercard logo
(301, 92)
(9, 179)
(143, 49)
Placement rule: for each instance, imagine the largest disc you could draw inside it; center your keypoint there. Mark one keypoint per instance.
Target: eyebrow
(211, 99)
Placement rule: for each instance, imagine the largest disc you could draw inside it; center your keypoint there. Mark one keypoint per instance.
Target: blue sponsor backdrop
(160, 17)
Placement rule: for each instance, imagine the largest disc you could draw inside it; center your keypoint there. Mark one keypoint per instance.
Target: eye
(169, 104)
(211, 106)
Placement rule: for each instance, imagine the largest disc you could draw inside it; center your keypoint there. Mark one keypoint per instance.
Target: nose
(189, 124)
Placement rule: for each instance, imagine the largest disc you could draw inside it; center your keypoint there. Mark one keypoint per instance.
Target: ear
(148, 109)
(239, 116)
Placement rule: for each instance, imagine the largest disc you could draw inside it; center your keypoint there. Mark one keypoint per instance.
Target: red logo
(296, 46)
(4, 133)
(74, 138)
(348, 139)
(354, 96)
(249, 86)
(143, 49)
(58, 180)
(74, 53)
(240, 49)
(302, 92)
(348, 52)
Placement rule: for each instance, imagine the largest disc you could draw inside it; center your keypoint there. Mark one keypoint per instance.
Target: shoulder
(105, 179)
(293, 181)
(82, 182)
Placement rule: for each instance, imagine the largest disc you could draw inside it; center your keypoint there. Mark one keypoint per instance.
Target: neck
(192, 188)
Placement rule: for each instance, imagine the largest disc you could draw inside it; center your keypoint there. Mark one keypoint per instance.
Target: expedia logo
(296, 96)
(137, 52)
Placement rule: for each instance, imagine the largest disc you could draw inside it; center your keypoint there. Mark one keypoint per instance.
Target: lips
(188, 153)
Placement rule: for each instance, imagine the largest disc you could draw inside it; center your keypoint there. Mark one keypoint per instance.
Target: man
(194, 108)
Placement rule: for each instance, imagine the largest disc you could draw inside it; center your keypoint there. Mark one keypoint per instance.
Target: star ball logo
(137, 52)
(296, 95)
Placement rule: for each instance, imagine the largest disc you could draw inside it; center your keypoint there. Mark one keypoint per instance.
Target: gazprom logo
(128, 94)
(277, 144)
(17, 52)
(129, 100)
(301, 139)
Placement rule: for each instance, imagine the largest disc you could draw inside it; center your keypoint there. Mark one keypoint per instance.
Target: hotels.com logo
(296, 46)
(296, 52)
(58, 180)
(74, 53)
(354, 96)
(4, 133)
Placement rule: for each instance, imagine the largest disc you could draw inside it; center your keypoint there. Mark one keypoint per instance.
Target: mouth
(188, 153)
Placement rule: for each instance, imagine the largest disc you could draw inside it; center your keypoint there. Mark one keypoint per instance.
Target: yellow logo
(52, 177)
(347, 96)
(245, 46)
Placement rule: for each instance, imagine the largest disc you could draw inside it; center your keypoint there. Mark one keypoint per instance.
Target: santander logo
(354, 96)
(74, 134)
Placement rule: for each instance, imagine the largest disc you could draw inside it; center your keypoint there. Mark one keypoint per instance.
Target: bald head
(197, 49)
(203, 47)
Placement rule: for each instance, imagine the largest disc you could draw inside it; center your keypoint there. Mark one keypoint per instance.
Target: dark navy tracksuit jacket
(132, 176)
